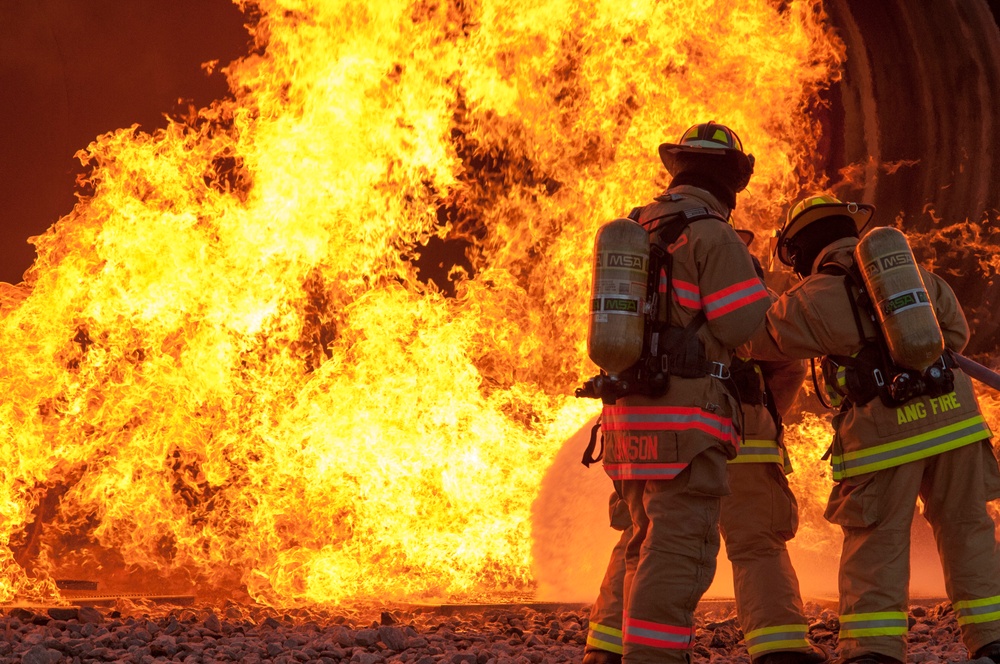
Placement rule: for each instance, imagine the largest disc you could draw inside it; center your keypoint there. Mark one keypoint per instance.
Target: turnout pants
(875, 512)
(758, 518)
(666, 561)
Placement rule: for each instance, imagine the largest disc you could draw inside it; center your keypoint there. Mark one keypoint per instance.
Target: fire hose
(976, 370)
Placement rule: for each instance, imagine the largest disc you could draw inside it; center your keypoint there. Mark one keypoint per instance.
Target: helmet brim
(746, 236)
(671, 153)
(729, 164)
(859, 213)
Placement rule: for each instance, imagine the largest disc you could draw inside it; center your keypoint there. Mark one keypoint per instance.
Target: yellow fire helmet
(810, 210)
(709, 145)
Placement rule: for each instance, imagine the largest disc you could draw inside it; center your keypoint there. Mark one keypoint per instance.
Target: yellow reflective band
(982, 610)
(720, 136)
(604, 629)
(765, 631)
(598, 644)
(894, 454)
(973, 603)
(871, 631)
(691, 133)
(779, 637)
(603, 637)
(759, 451)
(979, 618)
(791, 644)
(884, 623)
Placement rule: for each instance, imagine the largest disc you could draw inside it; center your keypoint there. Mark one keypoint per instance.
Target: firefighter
(890, 446)
(666, 446)
(757, 519)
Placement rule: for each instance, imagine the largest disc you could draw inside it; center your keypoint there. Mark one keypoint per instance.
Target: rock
(41, 655)
(212, 623)
(164, 645)
(64, 613)
(90, 616)
(366, 637)
(367, 658)
(23, 615)
(392, 637)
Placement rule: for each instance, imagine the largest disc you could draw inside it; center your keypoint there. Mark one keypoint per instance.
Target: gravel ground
(509, 634)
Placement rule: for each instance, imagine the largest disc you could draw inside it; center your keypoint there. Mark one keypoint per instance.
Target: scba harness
(668, 350)
(871, 372)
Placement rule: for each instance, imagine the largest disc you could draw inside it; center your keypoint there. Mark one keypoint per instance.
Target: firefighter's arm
(733, 297)
(811, 319)
(951, 318)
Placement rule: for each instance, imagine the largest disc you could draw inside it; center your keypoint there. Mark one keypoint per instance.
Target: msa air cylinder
(902, 306)
(621, 264)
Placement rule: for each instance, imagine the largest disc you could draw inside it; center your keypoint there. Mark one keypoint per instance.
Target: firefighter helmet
(812, 209)
(710, 146)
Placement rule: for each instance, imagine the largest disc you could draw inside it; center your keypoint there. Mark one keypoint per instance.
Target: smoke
(572, 540)
(571, 535)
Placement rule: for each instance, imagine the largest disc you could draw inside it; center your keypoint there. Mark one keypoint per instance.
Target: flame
(229, 366)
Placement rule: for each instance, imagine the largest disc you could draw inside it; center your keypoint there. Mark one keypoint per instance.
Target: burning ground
(483, 635)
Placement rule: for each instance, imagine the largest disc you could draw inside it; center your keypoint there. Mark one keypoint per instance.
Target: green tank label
(903, 301)
(618, 305)
(622, 261)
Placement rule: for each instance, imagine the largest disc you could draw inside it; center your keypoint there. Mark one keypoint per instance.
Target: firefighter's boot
(872, 658)
(816, 656)
(601, 657)
(990, 650)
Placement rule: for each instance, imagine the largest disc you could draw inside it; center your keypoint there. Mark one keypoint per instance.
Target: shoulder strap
(852, 279)
(876, 346)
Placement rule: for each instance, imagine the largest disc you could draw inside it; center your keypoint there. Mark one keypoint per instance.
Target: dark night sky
(71, 70)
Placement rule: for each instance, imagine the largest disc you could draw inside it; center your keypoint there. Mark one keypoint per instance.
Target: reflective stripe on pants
(876, 514)
(671, 558)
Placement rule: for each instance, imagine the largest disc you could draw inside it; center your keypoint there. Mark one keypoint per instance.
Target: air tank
(618, 295)
(902, 306)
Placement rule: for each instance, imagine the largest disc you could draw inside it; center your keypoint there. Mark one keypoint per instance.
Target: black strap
(819, 393)
(772, 407)
(588, 454)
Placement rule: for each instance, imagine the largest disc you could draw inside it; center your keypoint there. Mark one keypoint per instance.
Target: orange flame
(225, 367)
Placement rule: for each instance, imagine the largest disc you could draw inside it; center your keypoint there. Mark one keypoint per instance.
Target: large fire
(235, 364)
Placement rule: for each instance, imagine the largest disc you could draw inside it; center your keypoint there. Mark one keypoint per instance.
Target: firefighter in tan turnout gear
(668, 419)
(902, 432)
(756, 519)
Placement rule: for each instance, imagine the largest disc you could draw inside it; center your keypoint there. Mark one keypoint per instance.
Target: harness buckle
(720, 371)
(879, 380)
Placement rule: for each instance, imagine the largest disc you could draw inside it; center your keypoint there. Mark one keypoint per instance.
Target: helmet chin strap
(795, 254)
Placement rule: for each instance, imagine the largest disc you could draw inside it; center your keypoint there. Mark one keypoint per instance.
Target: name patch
(624, 448)
(918, 411)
